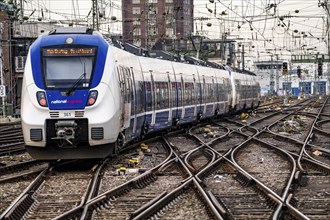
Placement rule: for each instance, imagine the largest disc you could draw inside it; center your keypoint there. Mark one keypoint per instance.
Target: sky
(266, 27)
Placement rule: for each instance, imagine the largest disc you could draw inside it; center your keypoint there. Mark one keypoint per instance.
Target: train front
(69, 98)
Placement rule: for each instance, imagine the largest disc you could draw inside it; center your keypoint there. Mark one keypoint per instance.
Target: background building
(146, 22)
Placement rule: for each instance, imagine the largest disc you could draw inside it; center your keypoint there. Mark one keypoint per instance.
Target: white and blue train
(82, 97)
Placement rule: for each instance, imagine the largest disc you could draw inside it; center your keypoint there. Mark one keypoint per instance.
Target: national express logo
(66, 101)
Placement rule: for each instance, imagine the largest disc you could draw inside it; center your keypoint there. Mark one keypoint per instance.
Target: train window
(148, 96)
(167, 95)
(217, 90)
(204, 91)
(179, 93)
(133, 100)
(207, 92)
(213, 97)
(127, 96)
(198, 93)
(174, 94)
(193, 96)
(162, 95)
(158, 96)
(211, 93)
(238, 87)
(189, 93)
(140, 97)
(229, 87)
(221, 92)
(55, 63)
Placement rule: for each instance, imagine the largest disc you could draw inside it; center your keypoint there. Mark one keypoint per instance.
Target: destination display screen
(79, 51)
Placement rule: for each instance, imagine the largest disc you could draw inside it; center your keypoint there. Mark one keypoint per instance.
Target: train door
(213, 97)
(120, 71)
(204, 96)
(230, 91)
(199, 98)
(153, 117)
(127, 103)
(171, 96)
(196, 98)
(181, 97)
(189, 99)
(140, 104)
(125, 95)
(180, 112)
(208, 93)
(174, 100)
(133, 119)
(238, 94)
(149, 103)
(162, 101)
(243, 93)
(127, 98)
(223, 106)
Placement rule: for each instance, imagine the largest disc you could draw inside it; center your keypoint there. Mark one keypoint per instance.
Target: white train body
(84, 98)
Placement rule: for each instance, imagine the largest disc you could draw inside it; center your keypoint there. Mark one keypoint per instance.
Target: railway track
(127, 199)
(11, 139)
(312, 197)
(229, 168)
(235, 193)
(225, 144)
(267, 164)
(132, 163)
(197, 159)
(188, 201)
(182, 142)
(53, 192)
(11, 133)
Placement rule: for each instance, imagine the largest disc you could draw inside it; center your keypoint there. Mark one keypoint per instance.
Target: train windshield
(67, 68)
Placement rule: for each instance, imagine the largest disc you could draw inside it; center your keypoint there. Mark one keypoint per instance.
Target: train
(83, 96)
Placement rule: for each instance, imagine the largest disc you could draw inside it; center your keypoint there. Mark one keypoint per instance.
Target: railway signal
(285, 68)
(2, 91)
(299, 70)
(320, 68)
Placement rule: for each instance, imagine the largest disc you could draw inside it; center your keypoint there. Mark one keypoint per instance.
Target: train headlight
(69, 40)
(41, 97)
(92, 96)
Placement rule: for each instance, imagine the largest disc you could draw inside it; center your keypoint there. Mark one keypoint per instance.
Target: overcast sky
(290, 26)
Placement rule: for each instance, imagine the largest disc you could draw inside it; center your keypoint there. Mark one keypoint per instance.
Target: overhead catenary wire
(250, 14)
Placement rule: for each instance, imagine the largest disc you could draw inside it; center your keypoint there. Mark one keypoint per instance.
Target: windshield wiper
(74, 87)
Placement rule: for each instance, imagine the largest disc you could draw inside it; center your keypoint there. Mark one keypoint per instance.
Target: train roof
(139, 51)
(165, 55)
(69, 30)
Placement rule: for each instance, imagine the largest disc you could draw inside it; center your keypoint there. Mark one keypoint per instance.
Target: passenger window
(158, 96)
(165, 95)
(189, 93)
(140, 97)
(179, 94)
(174, 94)
(148, 96)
